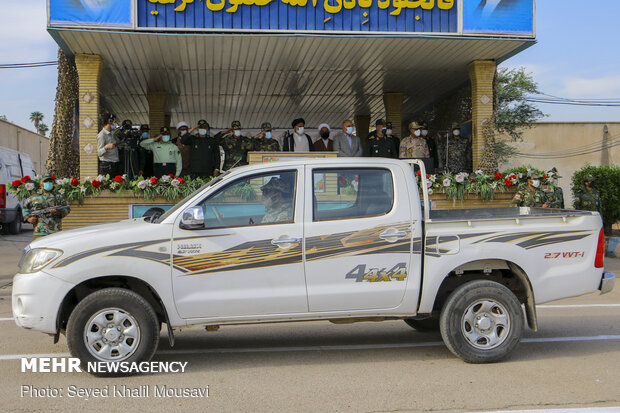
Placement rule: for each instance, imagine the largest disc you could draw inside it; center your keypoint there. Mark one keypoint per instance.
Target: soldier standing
(204, 151)
(555, 195)
(379, 145)
(264, 141)
(56, 208)
(390, 135)
(166, 156)
(182, 130)
(588, 199)
(454, 151)
(531, 195)
(235, 144)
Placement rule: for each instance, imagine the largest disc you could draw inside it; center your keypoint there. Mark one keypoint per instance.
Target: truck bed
(498, 213)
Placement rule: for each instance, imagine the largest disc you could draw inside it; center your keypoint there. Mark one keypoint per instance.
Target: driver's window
(254, 200)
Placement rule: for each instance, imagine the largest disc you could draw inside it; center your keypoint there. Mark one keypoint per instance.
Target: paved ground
(573, 361)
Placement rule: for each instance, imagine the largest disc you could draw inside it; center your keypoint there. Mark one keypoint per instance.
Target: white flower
(100, 178)
(175, 182)
(429, 184)
(61, 190)
(165, 178)
(142, 184)
(83, 188)
(59, 182)
(479, 172)
(447, 182)
(520, 175)
(464, 174)
(430, 192)
(88, 178)
(66, 180)
(29, 186)
(433, 178)
(494, 185)
(459, 178)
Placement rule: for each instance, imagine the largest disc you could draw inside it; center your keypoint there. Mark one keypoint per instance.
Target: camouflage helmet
(275, 184)
(589, 178)
(455, 125)
(533, 175)
(415, 125)
(266, 126)
(47, 177)
(235, 124)
(553, 172)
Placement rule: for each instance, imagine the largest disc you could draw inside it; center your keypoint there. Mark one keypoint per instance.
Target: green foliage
(608, 185)
(514, 112)
(244, 191)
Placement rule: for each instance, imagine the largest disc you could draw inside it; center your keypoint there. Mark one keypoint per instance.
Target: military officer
(454, 150)
(182, 130)
(531, 195)
(278, 202)
(588, 199)
(264, 141)
(235, 145)
(204, 151)
(389, 132)
(166, 155)
(555, 195)
(379, 144)
(46, 198)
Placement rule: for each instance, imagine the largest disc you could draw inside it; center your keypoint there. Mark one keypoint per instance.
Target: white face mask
(237, 132)
(536, 183)
(183, 132)
(388, 131)
(203, 132)
(350, 130)
(417, 132)
(114, 126)
(165, 138)
(424, 132)
(456, 132)
(300, 130)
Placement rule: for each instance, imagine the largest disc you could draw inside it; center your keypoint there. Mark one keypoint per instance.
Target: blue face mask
(268, 135)
(349, 130)
(48, 186)
(145, 135)
(165, 138)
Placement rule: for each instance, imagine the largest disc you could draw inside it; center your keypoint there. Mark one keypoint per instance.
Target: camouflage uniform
(588, 200)
(266, 145)
(459, 153)
(525, 197)
(280, 210)
(41, 200)
(554, 196)
(279, 213)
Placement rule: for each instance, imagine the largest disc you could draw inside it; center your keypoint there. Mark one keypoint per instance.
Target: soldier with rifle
(45, 209)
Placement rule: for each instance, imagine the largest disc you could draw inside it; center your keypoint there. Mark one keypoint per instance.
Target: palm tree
(43, 128)
(36, 117)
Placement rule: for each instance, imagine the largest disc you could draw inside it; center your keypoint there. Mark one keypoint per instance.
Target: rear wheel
(481, 322)
(113, 325)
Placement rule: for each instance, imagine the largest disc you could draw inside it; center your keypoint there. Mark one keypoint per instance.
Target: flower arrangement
(170, 187)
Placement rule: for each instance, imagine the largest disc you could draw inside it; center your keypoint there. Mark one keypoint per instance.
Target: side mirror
(193, 218)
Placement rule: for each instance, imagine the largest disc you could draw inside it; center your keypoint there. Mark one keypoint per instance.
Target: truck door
(358, 238)
(248, 258)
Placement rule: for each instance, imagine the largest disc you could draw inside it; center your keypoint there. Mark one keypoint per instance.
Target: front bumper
(607, 282)
(36, 299)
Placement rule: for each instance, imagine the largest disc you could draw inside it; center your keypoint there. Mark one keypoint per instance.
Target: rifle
(42, 213)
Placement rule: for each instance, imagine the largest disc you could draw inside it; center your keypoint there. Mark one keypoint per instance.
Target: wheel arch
(502, 271)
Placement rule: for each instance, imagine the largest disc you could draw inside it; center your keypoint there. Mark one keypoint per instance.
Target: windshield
(187, 198)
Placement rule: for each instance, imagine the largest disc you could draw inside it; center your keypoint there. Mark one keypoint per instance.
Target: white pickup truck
(310, 239)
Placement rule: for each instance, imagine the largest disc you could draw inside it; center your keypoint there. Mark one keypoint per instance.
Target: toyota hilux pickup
(306, 240)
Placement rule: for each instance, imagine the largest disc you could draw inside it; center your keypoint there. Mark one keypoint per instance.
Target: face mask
(203, 132)
(166, 138)
(383, 131)
(114, 126)
(457, 132)
(145, 135)
(183, 132)
(268, 135)
(300, 130)
(417, 132)
(388, 131)
(424, 132)
(536, 183)
(237, 132)
(325, 135)
(350, 130)
(48, 186)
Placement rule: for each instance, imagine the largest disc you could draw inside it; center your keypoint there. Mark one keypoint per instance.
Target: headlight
(35, 259)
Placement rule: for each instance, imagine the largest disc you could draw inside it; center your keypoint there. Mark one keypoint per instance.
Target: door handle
(392, 236)
(285, 243)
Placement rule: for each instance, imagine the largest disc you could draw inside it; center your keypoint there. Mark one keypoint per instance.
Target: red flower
(118, 179)
(508, 182)
(342, 180)
(25, 178)
(75, 181)
(53, 177)
(473, 181)
(545, 177)
(428, 177)
(181, 180)
(171, 176)
(16, 183)
(498, 176)
(418, 173)
(153, 181)
(96, 183)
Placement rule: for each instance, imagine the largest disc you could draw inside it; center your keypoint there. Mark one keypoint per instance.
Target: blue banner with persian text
(91, 12)
(404, 16)
(498, 16)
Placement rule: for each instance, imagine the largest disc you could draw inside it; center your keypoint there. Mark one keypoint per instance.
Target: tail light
(600, 250)
(2, 196)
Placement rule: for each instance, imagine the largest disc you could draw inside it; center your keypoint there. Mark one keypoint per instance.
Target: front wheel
(113, 325)
(481, 322)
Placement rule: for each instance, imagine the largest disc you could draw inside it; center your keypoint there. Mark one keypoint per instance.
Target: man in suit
(345, 143)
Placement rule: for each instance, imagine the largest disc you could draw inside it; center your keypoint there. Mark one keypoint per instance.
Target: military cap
(588, 178)
(235, 124)
(388, 125)
(298, 121)
(164, 129)
(144, 127)
(47, 177)
(379, 122)
(266, 126)
(533, 175)
(415, 125)
(203, 122)
(455, 125)
(127, 124)
(554, 172)
(275, 184)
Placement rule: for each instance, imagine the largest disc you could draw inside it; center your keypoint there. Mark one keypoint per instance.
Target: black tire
(492, 305)
(106, 302)
(15, 227)
(427, 324)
